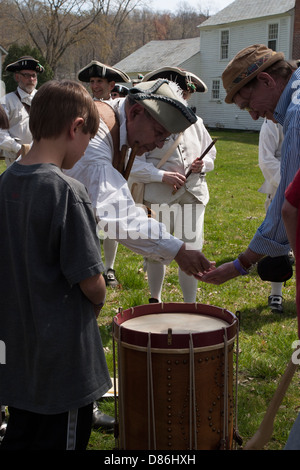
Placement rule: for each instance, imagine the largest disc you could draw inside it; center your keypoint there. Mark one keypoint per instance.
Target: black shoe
(110, 278)
(101, 420)
(153, 301)
(275, 303)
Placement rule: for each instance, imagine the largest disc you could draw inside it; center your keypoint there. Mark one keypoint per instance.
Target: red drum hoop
(175, 371)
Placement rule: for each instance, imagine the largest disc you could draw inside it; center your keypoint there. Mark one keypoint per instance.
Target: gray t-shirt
(54, 355)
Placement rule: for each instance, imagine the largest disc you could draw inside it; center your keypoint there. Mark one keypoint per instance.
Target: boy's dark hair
(57, 104)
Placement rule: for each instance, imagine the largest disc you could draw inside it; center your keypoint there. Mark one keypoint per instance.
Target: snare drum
(175, 376)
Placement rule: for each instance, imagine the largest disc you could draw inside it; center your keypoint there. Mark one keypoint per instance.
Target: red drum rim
(161, 340)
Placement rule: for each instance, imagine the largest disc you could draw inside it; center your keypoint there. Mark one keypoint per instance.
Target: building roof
(155, 54)
(240, 10)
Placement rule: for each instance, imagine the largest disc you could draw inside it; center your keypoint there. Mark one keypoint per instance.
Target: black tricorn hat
(123, 90)
(97, 69)
(25, 63)
(186, 80)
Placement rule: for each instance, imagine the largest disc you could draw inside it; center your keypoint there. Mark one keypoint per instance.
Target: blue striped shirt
(271, 238)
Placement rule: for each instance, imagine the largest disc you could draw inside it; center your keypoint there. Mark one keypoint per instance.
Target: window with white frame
(224, 47)
(215, 89)
(273, 36)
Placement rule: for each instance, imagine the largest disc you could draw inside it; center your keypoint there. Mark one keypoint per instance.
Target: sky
(212, 6)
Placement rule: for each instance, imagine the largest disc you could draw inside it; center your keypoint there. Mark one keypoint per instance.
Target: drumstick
(264, 432)
(130, 162)
(121, 164)
(199, 159)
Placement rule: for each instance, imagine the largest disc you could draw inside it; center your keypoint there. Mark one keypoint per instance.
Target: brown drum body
(175, 376)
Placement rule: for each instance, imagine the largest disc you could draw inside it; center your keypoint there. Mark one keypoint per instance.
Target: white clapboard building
(275, 23)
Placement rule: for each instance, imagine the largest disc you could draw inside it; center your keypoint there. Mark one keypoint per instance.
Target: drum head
(172, 325)
(180, 323)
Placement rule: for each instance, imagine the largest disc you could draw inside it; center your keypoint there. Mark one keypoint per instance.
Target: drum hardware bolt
(169, 369)
(169, 392)
(206, 359)
(169, 336)
(176, 362)
(169, 399)
(169, 429)
(169, 377)
(169, 362)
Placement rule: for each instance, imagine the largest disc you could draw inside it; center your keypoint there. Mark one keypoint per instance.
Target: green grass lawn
(233, 214)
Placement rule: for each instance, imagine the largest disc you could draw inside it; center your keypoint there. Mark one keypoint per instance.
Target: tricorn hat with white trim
(97, 69)
(25, 63)
(186, 80)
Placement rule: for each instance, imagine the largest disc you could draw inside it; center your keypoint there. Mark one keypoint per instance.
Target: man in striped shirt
(260, 81)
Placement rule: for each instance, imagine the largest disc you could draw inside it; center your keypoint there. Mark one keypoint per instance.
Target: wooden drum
(175, 376)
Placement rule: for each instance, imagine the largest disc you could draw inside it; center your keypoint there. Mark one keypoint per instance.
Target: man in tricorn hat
(17, 138)
(147, 117)
(260, 81)
(177, 201)
(150, 113)
(102, 79)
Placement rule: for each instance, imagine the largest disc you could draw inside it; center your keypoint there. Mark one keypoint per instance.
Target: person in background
(119, 91)
(16, 140)
(102, 79)
(181, 201)
(269, 156)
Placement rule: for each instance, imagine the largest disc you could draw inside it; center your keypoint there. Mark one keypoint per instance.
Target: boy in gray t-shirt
(51, 286)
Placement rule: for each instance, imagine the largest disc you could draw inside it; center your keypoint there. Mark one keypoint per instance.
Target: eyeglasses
(28, 75)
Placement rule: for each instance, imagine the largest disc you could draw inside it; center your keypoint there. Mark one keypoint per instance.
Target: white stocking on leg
(110, 248)
(276, 288)
(188, 286)
(156, 274)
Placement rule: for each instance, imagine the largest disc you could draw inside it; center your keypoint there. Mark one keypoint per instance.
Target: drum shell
(161, 412)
